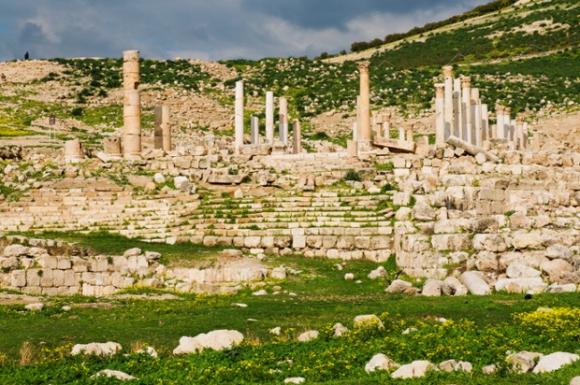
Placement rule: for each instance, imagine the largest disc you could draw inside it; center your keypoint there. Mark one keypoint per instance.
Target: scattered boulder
(475, 283)
(520, 270)
(566, 288)
(452, 286)
(489, 369)
(15, 250)
(106, 349)
(415, 369)
(34, 307)
(380, 362)
(149, 351)
(432, 288)
(521, 285)
(278, 273)
(456, 366)
(294, 380)
(349, 277)
(181, 183)
(555, 361)
(216, 340)
(308, 336)
(121, 376)
(134, 252)
(398, 286)
(368, 321)
(379, 272)
(276, 331)
(339, 330)
(523, 362)
(260, 293)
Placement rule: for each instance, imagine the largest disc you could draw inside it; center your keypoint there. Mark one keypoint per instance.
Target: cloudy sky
(207, 29)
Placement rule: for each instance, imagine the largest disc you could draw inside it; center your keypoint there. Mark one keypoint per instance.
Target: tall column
(440, 115)
(525, 136)
(458, 117)
(467, 118)
(269, 117)
(297, 137)
(499, 127)
(364, 119)
(239, 116)
(485, 122)
(476, 113)
(401, 133)
(507, 122)
(255, 123)
(283, 117)
(131, 105)
(448, 104)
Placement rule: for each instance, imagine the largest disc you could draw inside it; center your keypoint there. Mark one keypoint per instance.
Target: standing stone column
(73, 151)
(499, 127)
(476, 113)
(467, 116)
(283, 117)
(401, 133)
(112, 147)
(239, 116)
(364, 118)
(440, 115)
(507, 122)
(458, 117)
(297, 137)
(131, 105)
(269, 117)
(448, 104)
(162, 132)
(486, 132)
(255, 123)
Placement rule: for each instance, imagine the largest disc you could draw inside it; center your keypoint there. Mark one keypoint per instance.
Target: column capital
(440, 90)
(363, 66)
(448, 71)
(465, 81)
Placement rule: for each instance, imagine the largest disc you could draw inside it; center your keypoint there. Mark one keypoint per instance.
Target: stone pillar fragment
(255, 123)
(448, 103)
(364, 115)
(485, 122)
(440, 115)
(239, 116)
(499, 126)
(467, 116)
(162, 132)
(131, 105)
(283, 117)
(112, 146)
(457, 107)
(269, 117)
(297, 137)
(73, 151)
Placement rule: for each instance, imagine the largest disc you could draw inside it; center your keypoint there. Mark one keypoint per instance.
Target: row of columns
(459, 112)
(255, 122)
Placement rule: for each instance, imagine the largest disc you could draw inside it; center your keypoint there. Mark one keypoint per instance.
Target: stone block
(18, 278)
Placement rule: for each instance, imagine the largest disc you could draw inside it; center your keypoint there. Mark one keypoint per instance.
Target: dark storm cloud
(208, 29)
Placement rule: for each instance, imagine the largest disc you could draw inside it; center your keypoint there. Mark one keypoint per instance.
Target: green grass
(481, 331)
(114, 244)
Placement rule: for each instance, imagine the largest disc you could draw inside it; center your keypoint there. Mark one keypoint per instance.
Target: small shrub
(353, 176)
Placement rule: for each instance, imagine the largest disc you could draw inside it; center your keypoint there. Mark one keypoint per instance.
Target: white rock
(278, 273)
(66, 308)
(181, 183)
(456, 366)
(377, 273)
(475, 283)
(34, 306)
(309, 335)
(134, 252)
(452, 286)
(238, 194)
(555, 361)
(380, 362)
(556, 269)
(575, 381)
(408, 331)
(216, 340)
(398, 286)
(260, 293)
(149, 350)
(242, 305)
(523, 362)
(566, 288)
(276, 331)
(158, 178)
(521, 285)
(368, 321)
(121, 376)
(432, 288)
(339, 330)
(415, 369)
(105, 349)
(294, 380)
(489, 369)
(349, 277)
(520, 270)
